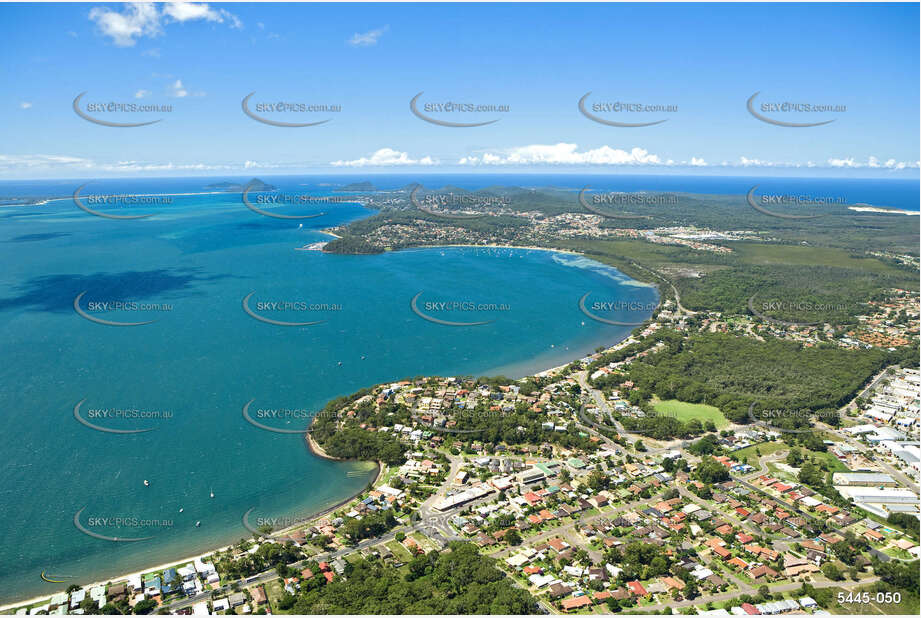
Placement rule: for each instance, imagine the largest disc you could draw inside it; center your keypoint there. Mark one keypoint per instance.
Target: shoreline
(314, 449)
(118, 578)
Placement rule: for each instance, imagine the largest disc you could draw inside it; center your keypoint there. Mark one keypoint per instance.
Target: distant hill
(357, 186)
(232, 187)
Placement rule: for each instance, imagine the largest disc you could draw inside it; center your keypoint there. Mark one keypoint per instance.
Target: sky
(696, 64)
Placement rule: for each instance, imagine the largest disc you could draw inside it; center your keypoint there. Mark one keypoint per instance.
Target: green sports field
(686, 411)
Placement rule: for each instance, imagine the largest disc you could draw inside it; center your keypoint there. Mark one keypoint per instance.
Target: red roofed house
(750, 609)
(637, 588)
(575, 602)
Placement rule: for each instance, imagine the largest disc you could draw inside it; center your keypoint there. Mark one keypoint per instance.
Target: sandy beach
(888, 211)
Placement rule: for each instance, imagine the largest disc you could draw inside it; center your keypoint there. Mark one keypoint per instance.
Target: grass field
(686, 411)
(765, 448)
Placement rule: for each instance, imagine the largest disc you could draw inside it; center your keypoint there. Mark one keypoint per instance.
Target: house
(117, 592)
(171, 581)
(558, 590)
(762, 571)
(738, 563)
(637, 588)
(152, 586)
(720, 551)
(236, 599)
(575, 603)
(750, 609)
(673, 582)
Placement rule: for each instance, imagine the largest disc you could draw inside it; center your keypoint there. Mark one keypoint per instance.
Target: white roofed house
(187, 572)
(76, 598)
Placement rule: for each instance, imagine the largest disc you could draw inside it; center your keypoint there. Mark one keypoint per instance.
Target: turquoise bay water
(202, 360)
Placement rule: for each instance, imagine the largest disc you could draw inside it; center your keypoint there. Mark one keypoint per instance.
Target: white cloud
(140, 19)
(367, 39)
(191, 11)
(142, 166)
(25, 105)
(20, 162)
(564, 154)
(698, 162)
(176, 89)
(385, 157)
(746, 162)
(137, 20)
(140, 94)
(873, 162)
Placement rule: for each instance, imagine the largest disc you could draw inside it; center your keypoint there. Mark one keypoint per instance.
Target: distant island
(358, 186)
(234, 187)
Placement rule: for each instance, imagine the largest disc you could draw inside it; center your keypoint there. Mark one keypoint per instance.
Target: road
(681, 308)
(652, 447)
(727, 596)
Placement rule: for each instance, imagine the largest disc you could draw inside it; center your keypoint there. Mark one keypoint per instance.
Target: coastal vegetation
(456, 581)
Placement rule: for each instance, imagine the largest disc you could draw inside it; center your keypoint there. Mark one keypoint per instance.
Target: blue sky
(536, 59)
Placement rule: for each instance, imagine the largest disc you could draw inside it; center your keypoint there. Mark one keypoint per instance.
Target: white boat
(146, 483)
(212, 492)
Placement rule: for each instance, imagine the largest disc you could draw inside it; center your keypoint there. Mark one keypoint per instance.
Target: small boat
(181, 509)
(197, 524)
(340, 363)
(212, 492)
(146, 483)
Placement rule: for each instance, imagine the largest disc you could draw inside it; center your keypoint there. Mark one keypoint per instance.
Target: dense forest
(460, 581)
(732, 373)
